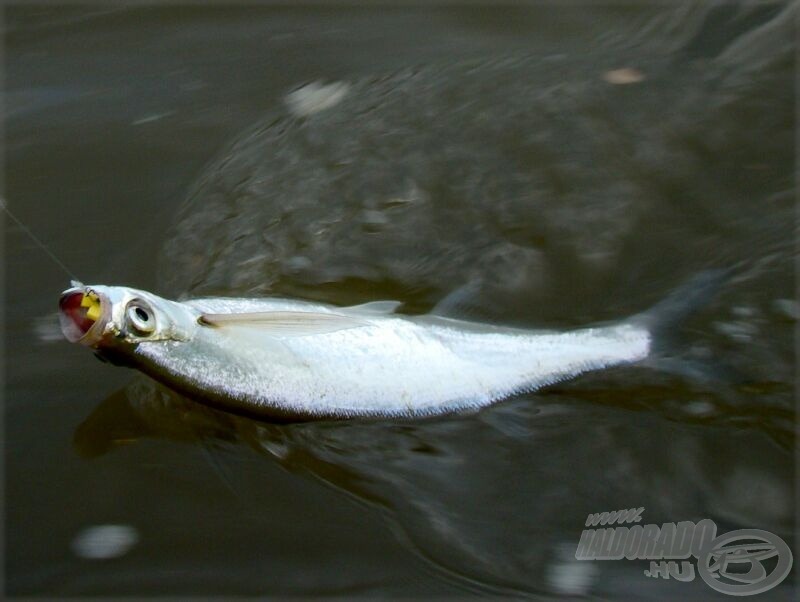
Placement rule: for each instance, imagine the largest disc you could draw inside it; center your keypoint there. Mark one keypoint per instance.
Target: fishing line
(38, 242)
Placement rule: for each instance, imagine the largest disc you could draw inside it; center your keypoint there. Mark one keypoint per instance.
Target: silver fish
(293, 359)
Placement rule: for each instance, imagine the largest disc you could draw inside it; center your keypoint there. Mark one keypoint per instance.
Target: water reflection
(495, 499)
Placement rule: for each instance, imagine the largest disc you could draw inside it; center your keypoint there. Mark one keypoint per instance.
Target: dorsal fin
(375, 307)
(283, 323)
(460, 302)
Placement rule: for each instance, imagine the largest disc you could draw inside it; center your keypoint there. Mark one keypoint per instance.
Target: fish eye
(140, 318)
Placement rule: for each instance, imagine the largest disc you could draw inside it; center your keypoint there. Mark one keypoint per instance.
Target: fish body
(383, 364)
(294, 359)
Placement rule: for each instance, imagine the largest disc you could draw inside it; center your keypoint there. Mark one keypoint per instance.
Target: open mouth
(78, 312)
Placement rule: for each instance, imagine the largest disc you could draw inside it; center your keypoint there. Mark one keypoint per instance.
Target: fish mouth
(83, 314)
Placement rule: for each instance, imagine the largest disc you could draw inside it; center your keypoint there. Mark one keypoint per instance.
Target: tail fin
(662, 319)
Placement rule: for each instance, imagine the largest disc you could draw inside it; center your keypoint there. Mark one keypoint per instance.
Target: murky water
(558, 166)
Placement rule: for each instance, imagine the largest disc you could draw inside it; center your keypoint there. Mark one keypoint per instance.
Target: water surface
(557, 166)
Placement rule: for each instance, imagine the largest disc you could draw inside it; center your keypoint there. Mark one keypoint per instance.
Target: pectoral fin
(284, 323)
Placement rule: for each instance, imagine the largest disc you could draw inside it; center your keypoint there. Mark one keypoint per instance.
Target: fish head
(119, 318)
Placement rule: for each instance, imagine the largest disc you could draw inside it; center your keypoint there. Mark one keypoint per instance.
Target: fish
(288, 359)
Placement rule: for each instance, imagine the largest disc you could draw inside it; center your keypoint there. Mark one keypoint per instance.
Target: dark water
(558, 165)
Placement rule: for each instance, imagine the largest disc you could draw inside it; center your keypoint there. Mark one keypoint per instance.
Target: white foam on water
(315, 97)
(47, 328)
(568, 576)
(101, 542)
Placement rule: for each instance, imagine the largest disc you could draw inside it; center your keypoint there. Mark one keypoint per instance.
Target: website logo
(738, 563)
